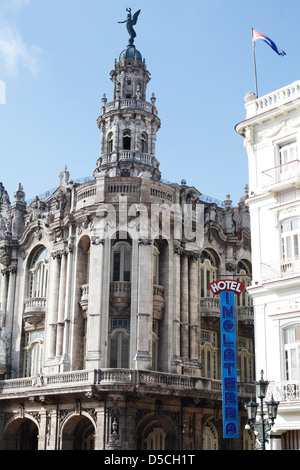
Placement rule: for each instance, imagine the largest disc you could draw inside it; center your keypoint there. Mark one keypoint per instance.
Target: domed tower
(129, 123)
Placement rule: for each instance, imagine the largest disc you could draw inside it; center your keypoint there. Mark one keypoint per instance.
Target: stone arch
(21, 433)
(78, 432)
(156, 432)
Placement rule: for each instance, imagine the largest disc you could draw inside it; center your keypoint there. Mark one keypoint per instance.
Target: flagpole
(254, 60)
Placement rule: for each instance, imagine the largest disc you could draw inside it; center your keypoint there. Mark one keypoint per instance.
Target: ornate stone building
(109, 333)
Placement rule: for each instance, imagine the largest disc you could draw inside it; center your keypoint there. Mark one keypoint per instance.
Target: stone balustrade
(272, 100)
(210, 307)
(245, 314)
(120, 295)
(107, 379)
(129, 103)
(34, 310)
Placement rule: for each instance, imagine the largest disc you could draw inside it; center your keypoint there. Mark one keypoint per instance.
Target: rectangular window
(288, 153)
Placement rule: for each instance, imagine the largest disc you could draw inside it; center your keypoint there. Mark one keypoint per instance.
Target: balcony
(34, 310)
(280, 269)
(245, 315)
(210, 307)
(87, 381)
(282, 176)
(285, 392)
(158, 302)
(120, 295)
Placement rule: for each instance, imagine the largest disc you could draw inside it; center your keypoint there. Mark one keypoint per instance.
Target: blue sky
(55, 60)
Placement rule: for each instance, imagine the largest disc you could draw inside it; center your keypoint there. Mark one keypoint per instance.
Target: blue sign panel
(229, 366)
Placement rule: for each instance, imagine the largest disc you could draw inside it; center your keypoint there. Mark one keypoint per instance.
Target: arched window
(248, 439)
(38, 274)
(119, 337)
(210, 437)
(244, 275)
(154, 437)
(155, 344)
(121, 262)
(110, 142)
(144, 139)
(208, 265)
(127, 140)
(209, 354)
(155, 264)
(33, 353)
(292, 352)
(246, 359)
(129, 89)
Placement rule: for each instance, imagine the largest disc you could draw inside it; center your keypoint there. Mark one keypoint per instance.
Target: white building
(271, 134)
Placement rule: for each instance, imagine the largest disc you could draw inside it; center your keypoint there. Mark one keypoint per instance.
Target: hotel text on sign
(227, 288)
(226, 285)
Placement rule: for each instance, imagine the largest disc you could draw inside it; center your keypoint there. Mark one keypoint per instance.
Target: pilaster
(143, 358)
(95, 339)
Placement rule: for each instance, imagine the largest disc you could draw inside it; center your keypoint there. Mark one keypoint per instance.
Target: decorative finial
(228, 201)
(19, 195)
(130, 22)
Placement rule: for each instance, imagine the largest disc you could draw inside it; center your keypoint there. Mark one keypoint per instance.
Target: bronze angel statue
(130, 22)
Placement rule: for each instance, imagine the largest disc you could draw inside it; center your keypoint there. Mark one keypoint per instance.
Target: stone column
(42, 437)
(10, 298)
(50, 339)
(145, 304)
(94, 344)
(176, 305)
(53, 430)
(184, 307)
(61, 305)
(193, 304)
(100, 428)
(68, 302)
(4, 289)
(134, 301)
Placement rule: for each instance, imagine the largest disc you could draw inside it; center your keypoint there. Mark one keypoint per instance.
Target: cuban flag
(256, 36)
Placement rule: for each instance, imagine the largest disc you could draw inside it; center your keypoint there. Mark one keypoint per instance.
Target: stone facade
(109, 333)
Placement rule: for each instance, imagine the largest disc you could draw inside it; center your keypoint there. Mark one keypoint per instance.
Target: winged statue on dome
(130, 22)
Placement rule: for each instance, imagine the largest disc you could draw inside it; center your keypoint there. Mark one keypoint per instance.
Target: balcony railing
(272, 100)
(210, 307)
(285, 392)
(109, 378)
(34, 310)
(280, 269)
(245, 314)
(120, 295)
(286, 173)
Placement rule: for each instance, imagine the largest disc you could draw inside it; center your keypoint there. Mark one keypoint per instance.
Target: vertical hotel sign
(227, 290)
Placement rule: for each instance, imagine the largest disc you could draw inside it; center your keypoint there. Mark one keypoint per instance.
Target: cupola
(129, 123)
